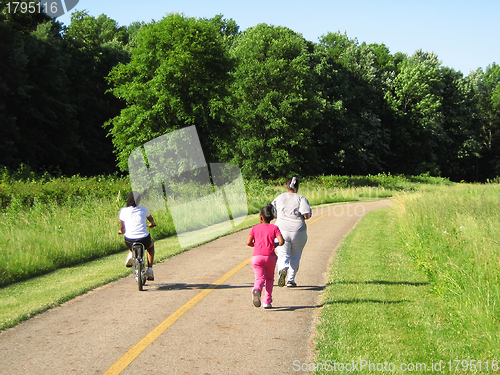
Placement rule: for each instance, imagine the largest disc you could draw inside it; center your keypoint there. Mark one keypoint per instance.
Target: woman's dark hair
(267, 213)
(133, 199)
(292, 183)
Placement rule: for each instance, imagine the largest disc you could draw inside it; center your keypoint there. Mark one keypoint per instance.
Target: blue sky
(464, 34)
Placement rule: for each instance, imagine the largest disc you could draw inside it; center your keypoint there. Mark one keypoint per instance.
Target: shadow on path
(380, 282)
(367, 300)
(184, 286)
(294, 308)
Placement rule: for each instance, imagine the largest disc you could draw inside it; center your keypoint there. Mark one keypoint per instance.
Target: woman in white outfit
(291, 210)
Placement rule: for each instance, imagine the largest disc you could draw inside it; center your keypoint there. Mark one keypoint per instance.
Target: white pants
(290, 253)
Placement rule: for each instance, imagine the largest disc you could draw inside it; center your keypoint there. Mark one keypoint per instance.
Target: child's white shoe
(128, 262)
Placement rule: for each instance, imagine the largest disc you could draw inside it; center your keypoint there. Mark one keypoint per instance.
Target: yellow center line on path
(138, 348)
(319, 218)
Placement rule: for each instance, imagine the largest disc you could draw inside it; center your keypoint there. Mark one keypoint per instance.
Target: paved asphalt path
(204, 324)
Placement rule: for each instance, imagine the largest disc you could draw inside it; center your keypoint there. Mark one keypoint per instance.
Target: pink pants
(263, 268)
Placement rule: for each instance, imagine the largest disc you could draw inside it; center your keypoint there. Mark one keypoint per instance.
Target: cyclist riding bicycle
(133, 226)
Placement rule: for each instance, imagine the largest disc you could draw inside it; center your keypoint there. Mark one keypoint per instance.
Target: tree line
(78, 99)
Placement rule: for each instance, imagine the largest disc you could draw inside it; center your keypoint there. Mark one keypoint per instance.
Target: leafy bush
(23, 188)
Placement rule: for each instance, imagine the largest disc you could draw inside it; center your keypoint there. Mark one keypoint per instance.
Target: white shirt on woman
(289, 210)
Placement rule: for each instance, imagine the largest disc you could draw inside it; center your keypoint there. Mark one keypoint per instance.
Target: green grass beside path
(379, 309)
(22, 300)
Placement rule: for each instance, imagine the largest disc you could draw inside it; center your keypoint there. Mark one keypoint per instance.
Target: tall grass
(45, 237)
(47, 223)
(452, 234)
(417, 285)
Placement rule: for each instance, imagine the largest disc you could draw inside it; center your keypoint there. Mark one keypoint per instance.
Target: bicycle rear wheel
(138, 271)
(139, 268)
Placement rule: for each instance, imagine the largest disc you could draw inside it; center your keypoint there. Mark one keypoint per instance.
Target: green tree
(39, 127)
(416, 98)
(352, 137)
(10, 61)
(94, 46)
(53, 91)
(177, 77)
(229, 29)
(461, 121)
(487, 86)
(273, 103)
(22, 22)
(45, 114)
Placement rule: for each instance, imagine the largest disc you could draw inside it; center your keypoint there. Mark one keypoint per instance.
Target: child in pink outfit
(264, 258)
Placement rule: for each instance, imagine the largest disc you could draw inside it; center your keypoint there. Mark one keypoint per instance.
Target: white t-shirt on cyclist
(289, 210)
(135, 221)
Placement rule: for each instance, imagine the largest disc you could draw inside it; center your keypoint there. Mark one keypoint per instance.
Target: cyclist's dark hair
(133, 199)
(292, 183)
(267, 213)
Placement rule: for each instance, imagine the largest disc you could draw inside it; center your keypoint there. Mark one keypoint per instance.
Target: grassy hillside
(417, 285)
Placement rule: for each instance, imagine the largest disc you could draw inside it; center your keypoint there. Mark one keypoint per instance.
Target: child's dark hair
(267, 213)
(133, 199)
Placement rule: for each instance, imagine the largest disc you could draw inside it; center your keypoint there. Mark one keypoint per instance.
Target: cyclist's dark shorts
(146, 241)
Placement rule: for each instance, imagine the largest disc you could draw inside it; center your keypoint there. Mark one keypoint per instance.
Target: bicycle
(140, 266)
(140, 258)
